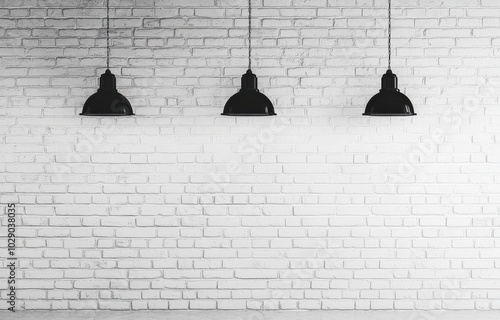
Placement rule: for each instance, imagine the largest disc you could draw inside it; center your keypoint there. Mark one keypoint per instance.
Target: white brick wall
(318, 208)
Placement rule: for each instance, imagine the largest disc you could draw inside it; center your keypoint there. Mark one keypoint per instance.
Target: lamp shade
(389, 101)
(107, 101)
(249, 101)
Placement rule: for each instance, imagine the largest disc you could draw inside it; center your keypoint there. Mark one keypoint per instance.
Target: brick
(179, 208)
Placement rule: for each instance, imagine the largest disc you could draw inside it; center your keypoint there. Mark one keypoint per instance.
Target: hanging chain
(107, 34)
(389, 42)
(249, 34)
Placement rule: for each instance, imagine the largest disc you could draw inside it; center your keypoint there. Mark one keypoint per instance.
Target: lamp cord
(389, 42)
(107, 34)
(249, 34)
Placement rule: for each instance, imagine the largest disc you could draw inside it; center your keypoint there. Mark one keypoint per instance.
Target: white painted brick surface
(319, 208)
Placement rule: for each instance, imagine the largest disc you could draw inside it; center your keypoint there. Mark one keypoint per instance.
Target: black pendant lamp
(249, 101)
(389, 102)
(107, 101)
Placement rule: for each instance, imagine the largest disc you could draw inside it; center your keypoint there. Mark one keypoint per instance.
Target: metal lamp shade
(389, 102)
(249, 101)
(107, 101)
